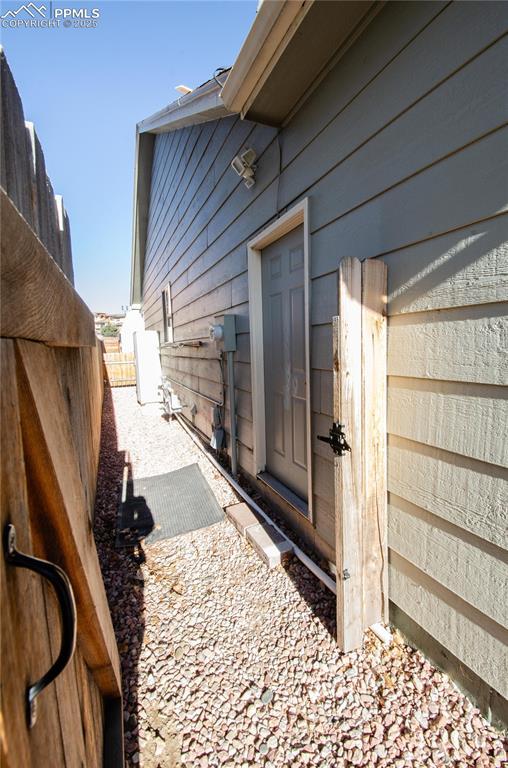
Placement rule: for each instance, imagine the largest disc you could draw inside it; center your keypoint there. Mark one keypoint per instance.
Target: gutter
(201, 105)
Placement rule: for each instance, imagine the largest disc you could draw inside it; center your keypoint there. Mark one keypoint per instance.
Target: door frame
(296, 216)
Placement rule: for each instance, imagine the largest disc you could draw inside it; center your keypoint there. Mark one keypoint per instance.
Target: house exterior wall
(402, 153)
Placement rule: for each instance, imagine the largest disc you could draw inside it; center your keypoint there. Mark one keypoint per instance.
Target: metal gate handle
(62, 586)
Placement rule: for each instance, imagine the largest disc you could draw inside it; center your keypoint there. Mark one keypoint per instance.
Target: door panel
(284, 361)
(277, 377)
(298, 385)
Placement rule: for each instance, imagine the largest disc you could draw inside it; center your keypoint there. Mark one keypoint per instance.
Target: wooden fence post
(359, 404)
(375, 550)
(348, 469)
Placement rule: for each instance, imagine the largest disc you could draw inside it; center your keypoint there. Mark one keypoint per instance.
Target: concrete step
(270, 545)
(242, 517)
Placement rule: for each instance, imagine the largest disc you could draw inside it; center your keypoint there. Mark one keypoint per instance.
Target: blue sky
(85, 89)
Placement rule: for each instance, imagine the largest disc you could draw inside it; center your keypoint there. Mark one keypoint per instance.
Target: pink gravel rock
(197, 659)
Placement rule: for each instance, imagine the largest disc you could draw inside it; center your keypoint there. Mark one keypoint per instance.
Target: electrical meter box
(229, 324)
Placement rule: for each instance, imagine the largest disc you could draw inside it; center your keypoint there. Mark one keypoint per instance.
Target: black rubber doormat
(164, 506)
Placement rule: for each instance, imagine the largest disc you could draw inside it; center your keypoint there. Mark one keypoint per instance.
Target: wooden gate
(359, 406)
(120, 369)
(50, 416)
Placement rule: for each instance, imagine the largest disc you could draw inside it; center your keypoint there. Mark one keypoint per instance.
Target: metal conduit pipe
(195, 392)
(379, 630)
(232, 414)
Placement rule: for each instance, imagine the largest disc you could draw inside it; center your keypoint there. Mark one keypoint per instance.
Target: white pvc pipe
(378, 629)
(305, 559)
(382, 633)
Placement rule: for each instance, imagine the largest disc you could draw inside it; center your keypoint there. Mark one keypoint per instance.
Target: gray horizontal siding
(402, 151)
(447, 449)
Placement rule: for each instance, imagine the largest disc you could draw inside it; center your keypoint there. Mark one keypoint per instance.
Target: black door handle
(62, 586)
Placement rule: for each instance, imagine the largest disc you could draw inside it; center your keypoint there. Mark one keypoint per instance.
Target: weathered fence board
(375, 549)
(15, 171)
(81, 379)
(37, 301)
(24, 177)
(359, 404)
(347, 409)
(20, 658)
(111, 343)
(53, 464)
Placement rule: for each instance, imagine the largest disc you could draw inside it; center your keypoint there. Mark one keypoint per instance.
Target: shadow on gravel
(121, 572)
(319, 599)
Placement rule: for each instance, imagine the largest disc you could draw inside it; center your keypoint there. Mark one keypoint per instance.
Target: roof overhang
(289, 49)
(143, 158)
(199, 106)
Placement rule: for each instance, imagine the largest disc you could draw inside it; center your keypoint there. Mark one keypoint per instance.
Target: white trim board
(296, 216)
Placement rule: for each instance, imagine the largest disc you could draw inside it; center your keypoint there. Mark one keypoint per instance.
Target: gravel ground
(225, 663)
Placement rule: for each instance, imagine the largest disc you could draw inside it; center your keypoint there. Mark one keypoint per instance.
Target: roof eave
(199, 106)
(142, 179)
(271, 31)
(289, 50)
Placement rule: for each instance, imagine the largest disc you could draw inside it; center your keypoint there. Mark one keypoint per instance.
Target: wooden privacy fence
(24, 178)
(50, 411)
(51, 419)
(111, 343)
(119, 369)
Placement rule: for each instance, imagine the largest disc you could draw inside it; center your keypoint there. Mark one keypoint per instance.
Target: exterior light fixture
(243, 165)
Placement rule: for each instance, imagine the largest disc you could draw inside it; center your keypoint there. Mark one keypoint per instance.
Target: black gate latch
(337, 439)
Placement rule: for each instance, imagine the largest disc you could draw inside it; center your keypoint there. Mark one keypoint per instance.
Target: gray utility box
(229, 324)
